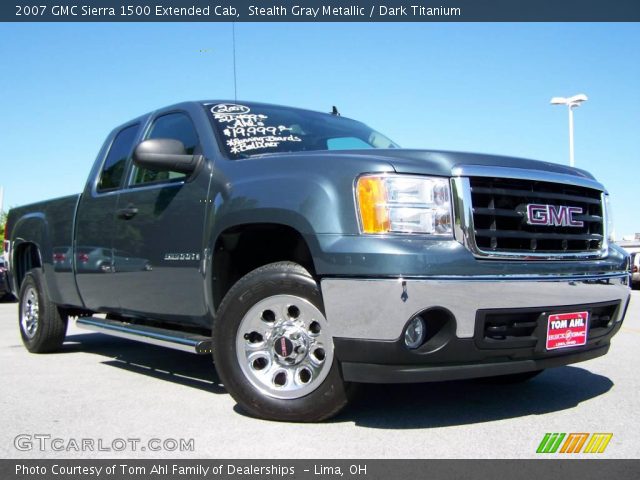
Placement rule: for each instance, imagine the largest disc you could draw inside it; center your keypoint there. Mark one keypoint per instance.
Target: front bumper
(376, 373)
(368, 317)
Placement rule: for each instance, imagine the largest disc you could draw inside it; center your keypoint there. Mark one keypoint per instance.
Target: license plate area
(567, 330)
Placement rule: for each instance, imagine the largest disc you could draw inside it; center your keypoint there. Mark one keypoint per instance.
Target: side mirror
(163, 155)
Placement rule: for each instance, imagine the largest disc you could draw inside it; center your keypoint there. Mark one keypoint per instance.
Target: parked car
(308, 252)
(93, 259)
(5, 290)
(635, 270)
(96, 260)
(62, 259)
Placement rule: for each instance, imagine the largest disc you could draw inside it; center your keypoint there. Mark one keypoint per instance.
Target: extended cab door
(91, 257)
(158, 243)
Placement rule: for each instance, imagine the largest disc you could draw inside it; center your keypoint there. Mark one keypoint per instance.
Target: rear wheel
(273, 347)
(42, 326)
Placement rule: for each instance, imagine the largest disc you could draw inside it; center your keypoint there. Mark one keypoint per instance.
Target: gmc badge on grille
(553, 215)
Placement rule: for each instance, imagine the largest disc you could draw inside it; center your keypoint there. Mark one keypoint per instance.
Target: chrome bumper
(379, 308)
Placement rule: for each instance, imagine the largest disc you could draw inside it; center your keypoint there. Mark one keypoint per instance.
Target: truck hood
(431, 162)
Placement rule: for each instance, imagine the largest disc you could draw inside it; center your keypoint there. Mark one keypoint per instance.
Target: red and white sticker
(566, 330)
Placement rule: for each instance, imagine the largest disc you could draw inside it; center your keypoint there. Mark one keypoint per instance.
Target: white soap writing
(249, 131)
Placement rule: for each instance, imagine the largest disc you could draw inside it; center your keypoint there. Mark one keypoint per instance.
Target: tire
(42, 326)
(511, 379)
(273, 349)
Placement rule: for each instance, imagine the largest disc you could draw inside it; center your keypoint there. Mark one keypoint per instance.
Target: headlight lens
(611, 231)
(404, 204)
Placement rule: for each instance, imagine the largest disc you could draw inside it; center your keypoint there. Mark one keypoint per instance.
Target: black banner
(124, 469)
(321, 11)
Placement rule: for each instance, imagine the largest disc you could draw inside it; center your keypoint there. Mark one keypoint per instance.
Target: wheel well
(244, 248)
(26, 257)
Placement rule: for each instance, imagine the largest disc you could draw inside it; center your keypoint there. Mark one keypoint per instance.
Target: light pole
(571, 102)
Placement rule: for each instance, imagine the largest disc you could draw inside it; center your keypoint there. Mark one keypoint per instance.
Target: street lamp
(571, 102)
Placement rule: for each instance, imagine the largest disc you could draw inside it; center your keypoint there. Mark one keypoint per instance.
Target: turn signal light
(372, 199)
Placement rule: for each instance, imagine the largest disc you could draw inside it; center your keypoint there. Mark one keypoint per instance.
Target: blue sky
(470, 87)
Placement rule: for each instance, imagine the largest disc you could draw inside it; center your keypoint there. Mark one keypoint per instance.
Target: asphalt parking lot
(103, 389)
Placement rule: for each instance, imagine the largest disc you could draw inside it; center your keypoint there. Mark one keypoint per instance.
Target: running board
(187, 342)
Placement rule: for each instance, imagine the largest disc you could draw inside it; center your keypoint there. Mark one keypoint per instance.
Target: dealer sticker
(567, 330)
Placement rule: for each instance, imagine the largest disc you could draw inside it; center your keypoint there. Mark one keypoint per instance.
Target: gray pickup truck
(309, 253)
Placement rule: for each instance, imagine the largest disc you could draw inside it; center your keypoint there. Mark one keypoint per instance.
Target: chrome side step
(187, 342)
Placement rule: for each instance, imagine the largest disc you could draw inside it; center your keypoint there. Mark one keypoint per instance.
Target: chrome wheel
(30, 312)
(284, 346)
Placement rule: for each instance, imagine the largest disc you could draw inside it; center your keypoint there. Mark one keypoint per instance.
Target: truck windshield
(249, 129)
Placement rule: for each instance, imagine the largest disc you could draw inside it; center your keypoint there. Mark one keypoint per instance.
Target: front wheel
(273, 347)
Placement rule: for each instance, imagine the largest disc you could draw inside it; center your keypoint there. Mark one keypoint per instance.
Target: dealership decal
(567, 330)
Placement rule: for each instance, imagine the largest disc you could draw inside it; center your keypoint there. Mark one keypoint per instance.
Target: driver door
(159, 233)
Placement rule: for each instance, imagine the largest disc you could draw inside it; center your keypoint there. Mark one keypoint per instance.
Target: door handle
(128, 212)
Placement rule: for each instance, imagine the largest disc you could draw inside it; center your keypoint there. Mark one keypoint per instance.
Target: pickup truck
(308, 253)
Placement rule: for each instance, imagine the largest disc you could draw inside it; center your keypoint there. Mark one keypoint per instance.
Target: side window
(176, 126)
(116, 161)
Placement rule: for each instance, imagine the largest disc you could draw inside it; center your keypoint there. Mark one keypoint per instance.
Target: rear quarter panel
(48, 225)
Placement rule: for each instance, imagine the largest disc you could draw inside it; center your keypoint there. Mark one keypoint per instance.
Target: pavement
(102, 393)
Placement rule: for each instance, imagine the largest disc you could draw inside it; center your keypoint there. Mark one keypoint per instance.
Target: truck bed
(50, 225)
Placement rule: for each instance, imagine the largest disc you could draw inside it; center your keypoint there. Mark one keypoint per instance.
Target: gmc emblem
(553, 215)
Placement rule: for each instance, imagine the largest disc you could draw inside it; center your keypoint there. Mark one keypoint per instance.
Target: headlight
(608, 211)
(404, 204)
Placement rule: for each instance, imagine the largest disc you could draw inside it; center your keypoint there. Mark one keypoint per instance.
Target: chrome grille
(500, 225)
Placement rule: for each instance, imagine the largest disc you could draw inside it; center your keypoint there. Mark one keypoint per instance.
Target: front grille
(500, 223)
(509, 328)
(525, 327)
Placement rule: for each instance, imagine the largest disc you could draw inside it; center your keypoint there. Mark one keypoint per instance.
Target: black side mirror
(163, 155)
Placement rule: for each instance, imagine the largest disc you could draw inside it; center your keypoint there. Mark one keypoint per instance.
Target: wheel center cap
(283, 347)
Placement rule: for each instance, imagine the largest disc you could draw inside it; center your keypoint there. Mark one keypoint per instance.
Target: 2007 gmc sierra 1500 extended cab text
(308, 253)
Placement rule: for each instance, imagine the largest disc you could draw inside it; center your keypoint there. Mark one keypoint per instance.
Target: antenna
(235, 81)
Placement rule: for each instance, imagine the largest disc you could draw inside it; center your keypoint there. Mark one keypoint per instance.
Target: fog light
(414, 334)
